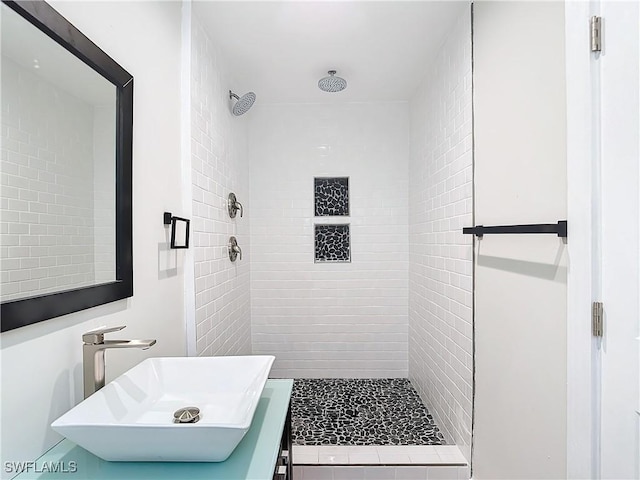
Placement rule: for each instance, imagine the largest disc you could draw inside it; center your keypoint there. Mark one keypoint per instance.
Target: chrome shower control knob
(233, 205)
(234, 249)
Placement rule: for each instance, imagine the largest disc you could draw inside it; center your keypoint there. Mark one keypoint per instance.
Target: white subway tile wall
(47, 188)
(328, 319)
(440, 256)
(219, 167)
(104, 192)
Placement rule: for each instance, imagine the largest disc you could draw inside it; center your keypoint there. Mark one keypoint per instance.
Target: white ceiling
(280, 49)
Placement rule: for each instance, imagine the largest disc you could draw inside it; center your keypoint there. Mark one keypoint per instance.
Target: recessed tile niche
(332, 243)
(331, 196)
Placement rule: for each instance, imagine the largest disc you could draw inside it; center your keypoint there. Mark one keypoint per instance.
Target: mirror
(66, 137)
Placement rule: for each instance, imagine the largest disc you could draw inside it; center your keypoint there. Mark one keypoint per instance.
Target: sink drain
(186, 415)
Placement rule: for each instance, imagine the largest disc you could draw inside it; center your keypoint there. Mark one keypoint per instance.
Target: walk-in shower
(361, 291)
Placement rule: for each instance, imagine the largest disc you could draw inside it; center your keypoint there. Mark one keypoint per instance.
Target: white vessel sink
(132, 418)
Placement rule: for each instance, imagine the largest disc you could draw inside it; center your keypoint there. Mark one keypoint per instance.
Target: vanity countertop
(253, 459)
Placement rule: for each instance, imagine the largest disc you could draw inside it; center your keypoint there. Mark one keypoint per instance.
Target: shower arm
(233, 95)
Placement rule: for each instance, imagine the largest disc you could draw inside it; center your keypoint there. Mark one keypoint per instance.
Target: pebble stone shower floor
(335, 411)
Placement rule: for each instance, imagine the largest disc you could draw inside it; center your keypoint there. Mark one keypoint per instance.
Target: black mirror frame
(19, 313)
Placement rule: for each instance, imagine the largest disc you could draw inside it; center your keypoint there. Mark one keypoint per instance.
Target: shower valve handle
(234, 249)
(238, 206)
(233, 205)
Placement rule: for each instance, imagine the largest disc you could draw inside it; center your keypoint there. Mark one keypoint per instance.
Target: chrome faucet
(93, 348)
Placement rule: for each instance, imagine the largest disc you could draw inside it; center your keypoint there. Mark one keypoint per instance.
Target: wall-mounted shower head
(243, 103)
(332, 83)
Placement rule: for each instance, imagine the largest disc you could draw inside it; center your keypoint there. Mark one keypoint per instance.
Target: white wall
(219, 166)
(440, 256)
(41, 364)
(330, 319)
(47, 186)
(521, 295)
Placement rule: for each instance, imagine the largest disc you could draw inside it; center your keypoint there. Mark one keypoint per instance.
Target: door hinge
(596, 34)
(597, 312)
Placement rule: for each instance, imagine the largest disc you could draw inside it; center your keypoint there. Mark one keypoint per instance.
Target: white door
(619, 70)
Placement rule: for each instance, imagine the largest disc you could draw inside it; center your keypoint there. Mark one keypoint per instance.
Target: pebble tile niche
(338, 411)
(331, 196)
(332, 243)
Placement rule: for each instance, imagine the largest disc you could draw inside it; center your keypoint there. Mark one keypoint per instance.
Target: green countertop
(253, 459)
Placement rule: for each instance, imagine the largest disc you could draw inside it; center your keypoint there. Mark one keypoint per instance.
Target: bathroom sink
(132, 418)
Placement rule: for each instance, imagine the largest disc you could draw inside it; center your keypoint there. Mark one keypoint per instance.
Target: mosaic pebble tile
(336, 411)
(332, 243)
(331, 196)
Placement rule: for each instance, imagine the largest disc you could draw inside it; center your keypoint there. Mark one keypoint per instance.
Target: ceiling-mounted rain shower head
(332, 83)
(243, 103)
